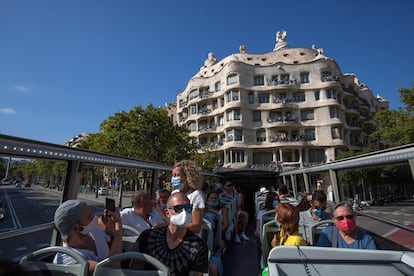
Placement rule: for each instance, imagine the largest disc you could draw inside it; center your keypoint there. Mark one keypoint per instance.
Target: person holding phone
(78, 228)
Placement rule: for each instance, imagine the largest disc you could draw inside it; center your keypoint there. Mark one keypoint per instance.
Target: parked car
(103, 191)
(2, 210)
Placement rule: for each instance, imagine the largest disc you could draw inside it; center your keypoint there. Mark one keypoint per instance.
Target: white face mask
(90, 226)
(182, 219)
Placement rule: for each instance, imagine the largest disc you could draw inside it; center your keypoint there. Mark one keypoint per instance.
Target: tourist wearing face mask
(186, 179)
(174, 245)
(78, 228)
(345, 234)
(317, 212)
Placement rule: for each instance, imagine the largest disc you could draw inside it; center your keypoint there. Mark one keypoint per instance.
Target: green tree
(207, 160)
(396, 127)
(143, 134)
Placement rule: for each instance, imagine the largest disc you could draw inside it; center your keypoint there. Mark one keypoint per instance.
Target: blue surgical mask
(319, 213)
(164, 206)
(275, 202)
(176, 183)
(213, 204)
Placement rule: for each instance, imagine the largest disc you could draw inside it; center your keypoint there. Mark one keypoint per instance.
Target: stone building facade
(285, 109)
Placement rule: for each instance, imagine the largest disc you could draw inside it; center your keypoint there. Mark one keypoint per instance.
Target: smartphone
(110, 204)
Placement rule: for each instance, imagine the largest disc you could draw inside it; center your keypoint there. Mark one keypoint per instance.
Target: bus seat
(266, 217)
(207, 235)
(40, 262)
(129, 241)
(268, 231)
(313, 260)
(316, 230)
(104, 267)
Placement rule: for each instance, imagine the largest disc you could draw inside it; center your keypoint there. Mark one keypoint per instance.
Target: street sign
(113, 181)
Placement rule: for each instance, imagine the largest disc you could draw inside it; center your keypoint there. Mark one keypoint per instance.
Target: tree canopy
(146, 134)
(396, 127)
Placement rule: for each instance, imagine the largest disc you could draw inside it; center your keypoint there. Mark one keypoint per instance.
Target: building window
(284, 79)
(317, 97)
(264, 98)
(251, 98)
(258, 80)
(257, 116)
(232, 96)
(202, 141)
(317, 156)
(235, 156)
(261, 135)
(304, 77)
(193, 94)
(233, 115)
(310, 134)
(299, 97)
(221, 120)
(192, 126)
(335, 133)
(307, 115)
(262, 158)
(326, 76)
(274, 80)
(193, 109)
(215, 104)
(331, 93)
(232, 79)
(333, 112)
(234, 135)
(217, 86)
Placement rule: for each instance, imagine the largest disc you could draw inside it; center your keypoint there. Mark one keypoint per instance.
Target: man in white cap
(78, 227)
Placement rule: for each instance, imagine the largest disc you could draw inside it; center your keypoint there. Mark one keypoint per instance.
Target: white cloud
(7, 111)
(22, 88)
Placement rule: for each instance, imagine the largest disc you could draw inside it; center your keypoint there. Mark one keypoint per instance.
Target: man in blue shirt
(345, 233)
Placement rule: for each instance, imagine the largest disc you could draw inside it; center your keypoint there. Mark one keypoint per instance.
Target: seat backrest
(266, 217)
(104, 267)
(129, 241)
(268, 231)
(207, 235)
(314, 260)
(40, 262)
(317, 229)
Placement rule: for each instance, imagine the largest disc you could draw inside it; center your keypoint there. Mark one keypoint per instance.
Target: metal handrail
(26, 230)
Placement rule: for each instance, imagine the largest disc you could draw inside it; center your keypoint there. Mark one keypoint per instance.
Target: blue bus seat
(313, 260)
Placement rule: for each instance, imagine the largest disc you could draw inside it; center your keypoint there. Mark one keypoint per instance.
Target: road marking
(16, 221)
(22, 248)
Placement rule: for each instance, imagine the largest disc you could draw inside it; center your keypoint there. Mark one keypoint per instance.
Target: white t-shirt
(101, 244)
(196, 198)
(129, 217)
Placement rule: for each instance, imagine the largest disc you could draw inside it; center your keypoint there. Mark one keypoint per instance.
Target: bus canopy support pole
(72, 182)
(306, 179)
(335, 187)
(411, 162)
(294, 185)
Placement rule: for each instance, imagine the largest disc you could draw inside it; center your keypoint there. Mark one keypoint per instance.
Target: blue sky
(65, 66)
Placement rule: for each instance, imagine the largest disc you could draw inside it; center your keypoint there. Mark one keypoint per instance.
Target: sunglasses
(180, 207)
(343, 217)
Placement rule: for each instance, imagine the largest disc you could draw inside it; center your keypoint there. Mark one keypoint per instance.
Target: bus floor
(243, 259)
